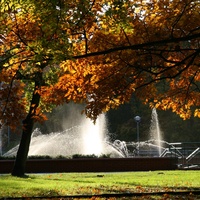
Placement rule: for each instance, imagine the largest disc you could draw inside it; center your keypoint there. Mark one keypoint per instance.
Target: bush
(91, 156)
(59, 157)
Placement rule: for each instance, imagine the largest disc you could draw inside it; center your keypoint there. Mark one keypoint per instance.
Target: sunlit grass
(98, 183)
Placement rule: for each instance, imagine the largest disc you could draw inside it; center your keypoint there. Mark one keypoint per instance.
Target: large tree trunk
(22, 153)
(28, 123)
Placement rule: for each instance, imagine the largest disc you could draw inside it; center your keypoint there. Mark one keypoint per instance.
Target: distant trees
(122, 125)
(96, 52)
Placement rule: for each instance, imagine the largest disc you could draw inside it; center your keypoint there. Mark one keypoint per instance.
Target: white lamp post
(138, 119)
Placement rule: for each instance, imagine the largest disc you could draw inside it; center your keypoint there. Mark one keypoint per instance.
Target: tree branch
(139, 46)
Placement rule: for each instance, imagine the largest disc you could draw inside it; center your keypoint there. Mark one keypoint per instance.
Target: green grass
(98, 183)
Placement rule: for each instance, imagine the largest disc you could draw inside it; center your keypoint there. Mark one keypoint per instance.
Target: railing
(188, 154)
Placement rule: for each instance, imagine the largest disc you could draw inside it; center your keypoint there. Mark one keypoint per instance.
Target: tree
(97, 52)
(35, 37)
(150, 48)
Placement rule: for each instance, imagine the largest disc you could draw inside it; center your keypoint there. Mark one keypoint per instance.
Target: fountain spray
(155, 132)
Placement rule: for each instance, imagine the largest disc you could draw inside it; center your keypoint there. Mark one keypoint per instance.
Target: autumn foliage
(99, 53)
(147, 48)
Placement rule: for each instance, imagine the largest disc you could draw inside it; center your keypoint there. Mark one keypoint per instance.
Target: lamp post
(138, 119)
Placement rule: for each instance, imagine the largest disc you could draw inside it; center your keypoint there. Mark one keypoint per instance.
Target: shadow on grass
(158, 196)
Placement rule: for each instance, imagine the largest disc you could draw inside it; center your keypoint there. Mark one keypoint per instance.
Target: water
(85, 139)
(93, 136)
(155, 132)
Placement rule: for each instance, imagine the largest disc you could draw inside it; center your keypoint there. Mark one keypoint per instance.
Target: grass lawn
(67, 184)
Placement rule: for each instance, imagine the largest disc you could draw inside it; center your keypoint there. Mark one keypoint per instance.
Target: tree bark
(22, 153)
(28, 123)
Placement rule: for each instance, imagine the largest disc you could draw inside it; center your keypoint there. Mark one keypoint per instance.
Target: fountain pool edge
(93, 165)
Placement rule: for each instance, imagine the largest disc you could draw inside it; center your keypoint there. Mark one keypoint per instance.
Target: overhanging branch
(138, 46)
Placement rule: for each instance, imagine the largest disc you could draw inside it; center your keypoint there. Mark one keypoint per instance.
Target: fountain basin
(93, 165)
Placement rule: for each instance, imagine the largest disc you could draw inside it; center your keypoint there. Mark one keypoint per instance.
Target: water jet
(155, 131)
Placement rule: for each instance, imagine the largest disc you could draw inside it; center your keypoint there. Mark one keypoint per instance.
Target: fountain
(155, 132)
(85, 139)
(88, 138)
